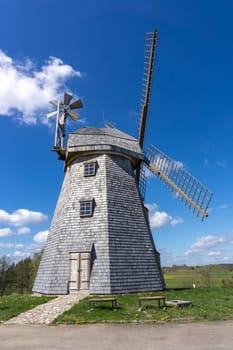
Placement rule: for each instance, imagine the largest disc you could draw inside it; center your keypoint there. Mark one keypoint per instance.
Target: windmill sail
(149, 56)
(179, 181)
(142, 182)
(146, 84)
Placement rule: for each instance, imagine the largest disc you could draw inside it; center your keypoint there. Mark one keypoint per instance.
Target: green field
(15, 304)
(201, 276)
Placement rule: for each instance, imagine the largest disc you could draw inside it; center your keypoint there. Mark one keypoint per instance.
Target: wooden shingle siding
(133, 257)
(123, 255)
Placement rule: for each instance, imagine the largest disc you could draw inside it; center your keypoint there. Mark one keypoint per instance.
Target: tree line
(18, 277)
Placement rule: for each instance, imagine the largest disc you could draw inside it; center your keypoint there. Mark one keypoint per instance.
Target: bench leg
(164, 304)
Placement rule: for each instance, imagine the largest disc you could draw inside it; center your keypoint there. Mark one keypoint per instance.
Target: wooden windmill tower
(100, 239)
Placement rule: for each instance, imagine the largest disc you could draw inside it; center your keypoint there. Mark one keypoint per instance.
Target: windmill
(100, 239)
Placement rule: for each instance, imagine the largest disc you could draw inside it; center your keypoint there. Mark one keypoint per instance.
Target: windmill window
(86, 208)
(90, 169)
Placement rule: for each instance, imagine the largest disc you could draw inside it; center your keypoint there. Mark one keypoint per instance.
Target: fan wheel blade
(73, 115)
(67, 98)
(76, 104)
(52, 114)
(54, 102)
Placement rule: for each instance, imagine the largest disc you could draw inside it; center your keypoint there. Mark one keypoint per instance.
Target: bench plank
(103, 300)
(150, 298)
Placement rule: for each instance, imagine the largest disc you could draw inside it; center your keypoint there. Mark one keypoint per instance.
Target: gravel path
(46, 313)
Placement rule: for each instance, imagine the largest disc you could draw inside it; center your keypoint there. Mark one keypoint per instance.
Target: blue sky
(95, 51)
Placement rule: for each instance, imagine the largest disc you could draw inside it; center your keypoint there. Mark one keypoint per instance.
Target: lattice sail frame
(149, 58)
(142, 182)
(179, 181)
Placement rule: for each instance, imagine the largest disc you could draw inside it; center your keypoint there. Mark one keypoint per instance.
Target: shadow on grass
(152, 307)
(177, 289)
(105, 307)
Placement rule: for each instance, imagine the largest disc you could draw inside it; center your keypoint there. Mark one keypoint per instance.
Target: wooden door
(79, 271)
(85, 270)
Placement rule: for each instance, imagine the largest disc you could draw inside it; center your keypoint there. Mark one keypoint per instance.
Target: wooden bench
(158, 298)
(113, 301)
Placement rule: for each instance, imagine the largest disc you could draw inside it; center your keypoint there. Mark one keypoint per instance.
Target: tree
(34, 265)
(4, 267)
(22, 270)
(18, 277)
(206, 276)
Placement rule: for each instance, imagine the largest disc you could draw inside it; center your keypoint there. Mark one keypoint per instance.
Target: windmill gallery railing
(179, 181)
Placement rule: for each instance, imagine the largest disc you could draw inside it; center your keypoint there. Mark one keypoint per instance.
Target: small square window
(89, 169)
(86, 208)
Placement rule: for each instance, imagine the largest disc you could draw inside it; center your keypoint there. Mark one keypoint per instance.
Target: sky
(95, 50)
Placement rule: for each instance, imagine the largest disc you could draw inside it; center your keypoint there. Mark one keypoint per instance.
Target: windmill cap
(103, 140)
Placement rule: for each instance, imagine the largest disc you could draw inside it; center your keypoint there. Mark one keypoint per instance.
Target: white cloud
(223, 206)
(22, 251)
(176, 221)
(41, 237)
(25, 91)
(20, 254)
(220, 207)
(226, 258)
(152, 207)
(6, 232)
(19, 246)
(6, 245)
(206, 163)
(219, 164)
(211, 249)
(23, 230)
(214, 253)
(21, 217)
(161, 218)
(202, 250)
(12, 245)
(208, 241)
(191, 252)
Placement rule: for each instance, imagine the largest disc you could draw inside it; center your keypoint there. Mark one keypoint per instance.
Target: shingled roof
(106, 139)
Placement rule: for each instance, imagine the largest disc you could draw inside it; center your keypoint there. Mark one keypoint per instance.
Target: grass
(208, 304)
(185, 278)
(14, 304)
(215, 303)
